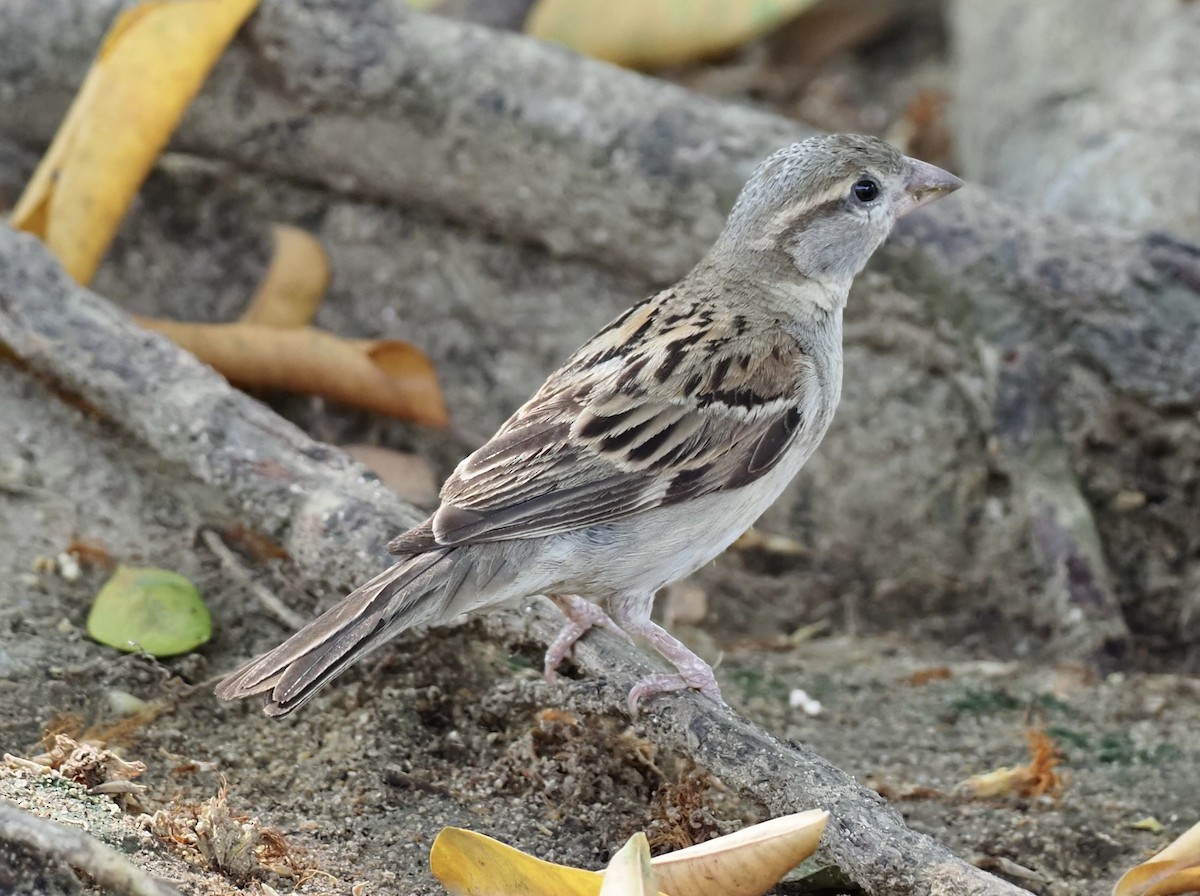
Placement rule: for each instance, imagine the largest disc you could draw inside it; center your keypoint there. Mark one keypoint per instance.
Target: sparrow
(654, 446)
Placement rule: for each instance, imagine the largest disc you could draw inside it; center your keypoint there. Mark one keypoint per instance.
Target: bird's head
(824, 205)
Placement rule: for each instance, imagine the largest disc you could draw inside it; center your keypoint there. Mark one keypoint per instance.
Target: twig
(103, 864)
(266, 597)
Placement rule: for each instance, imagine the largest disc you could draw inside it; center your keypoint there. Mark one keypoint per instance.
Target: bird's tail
(428, 587)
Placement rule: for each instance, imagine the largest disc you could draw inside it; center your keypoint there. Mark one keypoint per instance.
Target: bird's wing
(649, 413)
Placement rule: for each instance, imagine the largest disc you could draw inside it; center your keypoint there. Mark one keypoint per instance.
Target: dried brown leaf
(292, 289)
(384, 376)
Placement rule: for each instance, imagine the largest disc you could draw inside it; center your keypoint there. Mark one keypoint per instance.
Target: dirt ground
(447, 728)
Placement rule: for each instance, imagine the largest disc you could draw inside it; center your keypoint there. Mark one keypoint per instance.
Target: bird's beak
(924, 184)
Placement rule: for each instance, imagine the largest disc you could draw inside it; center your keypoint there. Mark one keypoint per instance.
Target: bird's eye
(866, 190)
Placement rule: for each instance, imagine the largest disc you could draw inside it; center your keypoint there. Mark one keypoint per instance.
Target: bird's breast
(646, 551)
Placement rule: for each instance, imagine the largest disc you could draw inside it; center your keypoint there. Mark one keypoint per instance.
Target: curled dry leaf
(149, 67)
(629, 873)
(87, 763)
(650, 35)
(470, 864)
(1037, 778)
(756, 540)
(295, 283)
(408, 475)
(685, 604)
(384, 376)
(1174, 870)
(746, 863)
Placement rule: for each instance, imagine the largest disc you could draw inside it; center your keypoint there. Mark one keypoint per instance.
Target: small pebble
(799, 699)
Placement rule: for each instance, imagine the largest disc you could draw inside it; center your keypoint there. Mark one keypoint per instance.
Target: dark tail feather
(292, 673)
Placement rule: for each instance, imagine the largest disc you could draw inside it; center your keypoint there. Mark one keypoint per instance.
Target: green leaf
(154, 610)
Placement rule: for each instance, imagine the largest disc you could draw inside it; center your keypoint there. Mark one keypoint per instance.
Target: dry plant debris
(87, 763)
(559, 755)
(681, 812)
(1035, 778)
(90, 553)
(212, 835)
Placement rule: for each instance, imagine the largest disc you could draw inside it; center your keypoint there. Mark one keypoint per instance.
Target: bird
(653, 447)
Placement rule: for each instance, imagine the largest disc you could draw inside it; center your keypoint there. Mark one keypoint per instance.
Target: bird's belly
(649, 550)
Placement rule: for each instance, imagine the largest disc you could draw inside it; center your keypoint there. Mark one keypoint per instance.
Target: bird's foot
(692, 672)
(581, 615)
(698, 677)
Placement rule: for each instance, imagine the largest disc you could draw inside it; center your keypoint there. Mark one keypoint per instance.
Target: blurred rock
(1089, 108)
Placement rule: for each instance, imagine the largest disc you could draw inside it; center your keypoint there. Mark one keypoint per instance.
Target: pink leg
(633, 615)
(581, 615)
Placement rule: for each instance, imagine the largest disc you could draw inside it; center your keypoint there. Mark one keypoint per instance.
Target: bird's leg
(581, 615)
(632, 613)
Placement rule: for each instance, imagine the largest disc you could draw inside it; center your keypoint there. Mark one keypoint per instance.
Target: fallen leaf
(757, 540)
(384, 376)
(408, 475)
(292, 289)
(629, 872)
(745, 863)
(149, 67)
(748, 862)
(1174, 870)
(656, 33)
(932, 673)
(685, 603)
(1149, 823)
(152, 610)
(1037, 778)
(470, 864)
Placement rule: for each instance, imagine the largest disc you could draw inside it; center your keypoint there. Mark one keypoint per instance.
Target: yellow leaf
(629, 873)
(1149, 823)
(150, 66)
(1176, 869)
(655, 33)
(470, 864)
(295, 283)
(747, 862)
